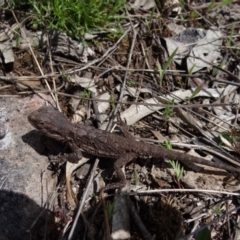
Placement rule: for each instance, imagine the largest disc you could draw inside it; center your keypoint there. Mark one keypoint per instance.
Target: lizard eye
(40, 125)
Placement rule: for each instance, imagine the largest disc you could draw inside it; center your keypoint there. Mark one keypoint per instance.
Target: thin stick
(187, 190)
(125, 78)
(35, 59)
(71, 234)
(104, 55)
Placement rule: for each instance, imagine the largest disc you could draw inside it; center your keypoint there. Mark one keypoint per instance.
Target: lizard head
(49, 121)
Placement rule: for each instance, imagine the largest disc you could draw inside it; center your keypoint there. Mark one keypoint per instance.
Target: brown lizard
(123, 148)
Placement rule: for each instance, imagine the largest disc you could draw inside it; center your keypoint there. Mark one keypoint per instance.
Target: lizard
(123, 148)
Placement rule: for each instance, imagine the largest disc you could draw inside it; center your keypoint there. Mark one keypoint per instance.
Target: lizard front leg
(73, 162)
(73, 157)
(127, 157)
(66, 157)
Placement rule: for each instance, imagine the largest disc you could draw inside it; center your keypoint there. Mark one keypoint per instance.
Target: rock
(23, 168)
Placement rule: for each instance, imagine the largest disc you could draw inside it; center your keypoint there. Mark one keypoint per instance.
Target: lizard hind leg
(126, 158)
(124, 130)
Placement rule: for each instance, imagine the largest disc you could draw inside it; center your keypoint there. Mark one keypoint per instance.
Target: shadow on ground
(17, 215)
